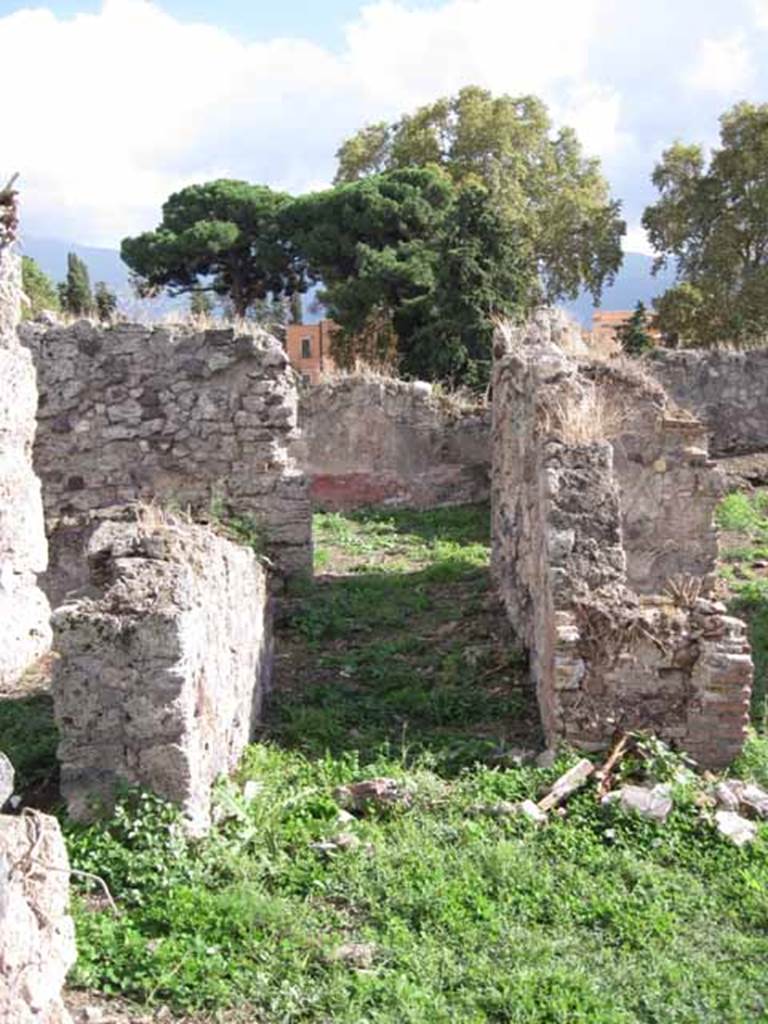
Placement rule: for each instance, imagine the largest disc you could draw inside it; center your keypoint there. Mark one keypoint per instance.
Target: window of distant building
(306, 348)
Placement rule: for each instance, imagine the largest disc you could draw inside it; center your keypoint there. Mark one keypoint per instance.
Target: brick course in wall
(605, 658)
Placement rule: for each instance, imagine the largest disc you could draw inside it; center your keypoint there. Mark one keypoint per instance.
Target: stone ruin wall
(37, 940)
(669, 486)
(37, 935)
(163, 664)
(605, 658)
(725, 389)
(24, 610)
(390, 442)
(197, 419)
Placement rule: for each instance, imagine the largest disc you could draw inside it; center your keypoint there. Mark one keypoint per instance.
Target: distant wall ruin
(24, 612)
(390, 442)
(604, 657)
(192, 418)
(162, 667)
(725, 388)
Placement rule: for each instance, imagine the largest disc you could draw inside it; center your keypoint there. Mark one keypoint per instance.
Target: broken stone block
(654, 804)
(532, 811)
(735, 795)
(37, 936)
(359, 796)
(602, 498)
(163, 669)
(136, 413)
(733, 827)
(357, 954)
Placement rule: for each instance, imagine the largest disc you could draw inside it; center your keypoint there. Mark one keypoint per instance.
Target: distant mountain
(633, 283)
(103, 265)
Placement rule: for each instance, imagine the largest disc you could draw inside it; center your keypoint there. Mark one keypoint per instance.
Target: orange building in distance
(605, 324)
(309, 349)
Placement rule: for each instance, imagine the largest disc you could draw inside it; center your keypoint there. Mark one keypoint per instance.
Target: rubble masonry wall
(605, 659)
(198, 419)
(37, 935)
(726, 390)
(162, 667)
(24, 611)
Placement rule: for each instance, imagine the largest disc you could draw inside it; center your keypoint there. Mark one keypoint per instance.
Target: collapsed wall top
(193, 418)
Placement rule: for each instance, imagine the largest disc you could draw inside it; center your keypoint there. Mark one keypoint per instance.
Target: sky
(108, 107)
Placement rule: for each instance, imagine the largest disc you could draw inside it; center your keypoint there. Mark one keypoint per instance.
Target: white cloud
(112, 111)
(594, 112)
(636, 240)
(760, 9)
(722, 66)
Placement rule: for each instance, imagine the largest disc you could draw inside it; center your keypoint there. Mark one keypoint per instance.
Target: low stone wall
(162, 666)
(725, 388)
(37, 935)
(184, 417)
(24, 612)
(389, 442)
(605, 659)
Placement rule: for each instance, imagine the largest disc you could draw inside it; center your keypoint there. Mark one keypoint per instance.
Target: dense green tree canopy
(39, 289)
(557, 200)
(410, 251)
(712, 221)
(222, 237)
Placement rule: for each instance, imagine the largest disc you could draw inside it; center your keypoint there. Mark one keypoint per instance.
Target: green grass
(745, 517)
(404, 648)
(396, 668)
(599, 918)
(28, 736)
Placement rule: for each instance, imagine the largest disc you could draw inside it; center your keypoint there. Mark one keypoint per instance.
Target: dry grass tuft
(589, 414)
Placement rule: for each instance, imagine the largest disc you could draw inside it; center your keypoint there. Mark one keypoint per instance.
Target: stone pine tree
(105, 302)
(414, 269)
(222, 237)
(633, 335)
(75, 293)
(540, 181)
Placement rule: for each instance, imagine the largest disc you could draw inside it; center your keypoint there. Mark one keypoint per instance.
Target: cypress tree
(76, 294)
(633, 335)
(105, 302)
(200, 304)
